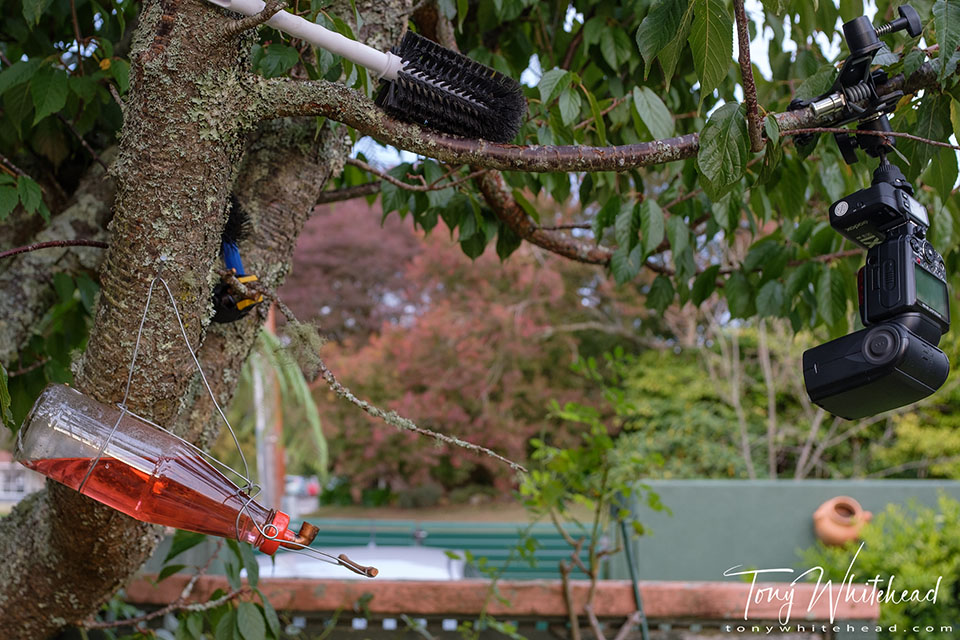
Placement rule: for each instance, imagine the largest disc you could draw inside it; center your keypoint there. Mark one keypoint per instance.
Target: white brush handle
(384, 65)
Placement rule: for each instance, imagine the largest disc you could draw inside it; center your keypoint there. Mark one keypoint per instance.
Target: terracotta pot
(839, 520)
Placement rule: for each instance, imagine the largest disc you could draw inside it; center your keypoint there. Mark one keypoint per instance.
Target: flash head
(873, 370)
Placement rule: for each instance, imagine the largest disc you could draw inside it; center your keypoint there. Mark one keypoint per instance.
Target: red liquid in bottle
(181, 492)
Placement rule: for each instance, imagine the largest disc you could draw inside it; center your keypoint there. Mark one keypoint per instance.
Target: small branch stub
(236, 27)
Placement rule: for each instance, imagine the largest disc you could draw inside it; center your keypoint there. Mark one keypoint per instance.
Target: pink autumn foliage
(472, 362)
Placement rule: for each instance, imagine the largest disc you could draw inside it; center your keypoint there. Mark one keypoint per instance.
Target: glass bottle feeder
(149, 473)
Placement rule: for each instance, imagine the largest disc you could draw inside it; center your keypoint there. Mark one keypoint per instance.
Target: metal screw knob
(909, 19)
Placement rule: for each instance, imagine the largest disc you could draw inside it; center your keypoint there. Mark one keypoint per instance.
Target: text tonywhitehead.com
(835, 628)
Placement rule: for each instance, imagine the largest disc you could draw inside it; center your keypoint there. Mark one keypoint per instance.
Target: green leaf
(772, 128)
(5, 415)
(776, 7)
(942, 172)
(17, 105)
(933, 114)
(724, 149)
(946, 21)
(462, 8)
(183, 540)
(608, 47)
(625, 226)
(670, 54)
(250, 564)
(569, 106)
(678, 234)
(250, 621)
(705, 284)
(770, 299)
(8, 201)
(661, 293)
(592, 30)
(817, 84)
(270, 615)
(739, 295)
(120, 70)
(33, 10)
(226, 626)
(277, 60)
(654, 114)
(597, 117)
(711, 41)
(552, 83)
(49, 90)
(625, 263)
(800, 279)
(659, 26)
(17, 73)
(651, 225)
(64, 286)
(474, 245)
(606, 216)
(507, 241)
(30, 194)
(831, 296)
(169, 570)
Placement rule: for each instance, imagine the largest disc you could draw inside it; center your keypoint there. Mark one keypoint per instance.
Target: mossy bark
(188, 119)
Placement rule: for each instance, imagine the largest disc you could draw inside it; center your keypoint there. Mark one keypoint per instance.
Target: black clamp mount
(853, 96)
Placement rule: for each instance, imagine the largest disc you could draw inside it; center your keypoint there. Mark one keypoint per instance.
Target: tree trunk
(185, 130)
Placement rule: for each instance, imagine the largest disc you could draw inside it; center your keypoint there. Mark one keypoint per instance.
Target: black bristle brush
(424, 83)
(444, 90)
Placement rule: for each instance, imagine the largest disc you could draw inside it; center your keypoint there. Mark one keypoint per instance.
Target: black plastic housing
(867, 216)
(873, 370)
(905, 274)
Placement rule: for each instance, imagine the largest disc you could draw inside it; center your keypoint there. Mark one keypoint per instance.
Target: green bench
(494, 541)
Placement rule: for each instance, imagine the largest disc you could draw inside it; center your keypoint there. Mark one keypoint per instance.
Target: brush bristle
(238, 224)
(449, 92)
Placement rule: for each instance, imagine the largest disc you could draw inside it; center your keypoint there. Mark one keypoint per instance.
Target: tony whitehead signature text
(869, 592)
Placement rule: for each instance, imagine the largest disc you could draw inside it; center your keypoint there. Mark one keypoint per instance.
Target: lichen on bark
(65, 554)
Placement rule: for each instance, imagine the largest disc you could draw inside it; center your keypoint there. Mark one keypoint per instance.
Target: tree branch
(349, 193)
(83, 142)
(53, 243)
(747, 80)
(500, 198)
(285, 97)
(882, 134)
(436, 185)
(281, 97)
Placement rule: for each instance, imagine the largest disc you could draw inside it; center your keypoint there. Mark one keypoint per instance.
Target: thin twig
(632, 620)
(30, 367)
(83, 142)
(882, 134)
(564, 227)
(746, 78)
(913, 464)
(613, 105)
(116, 97)
(53, 243)
(180, 604)
(76, 33)
(405, 424)
(436, 185)
(236, 27)
(349, 193)
(390, 417)
(9, 164)
(594, 622)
